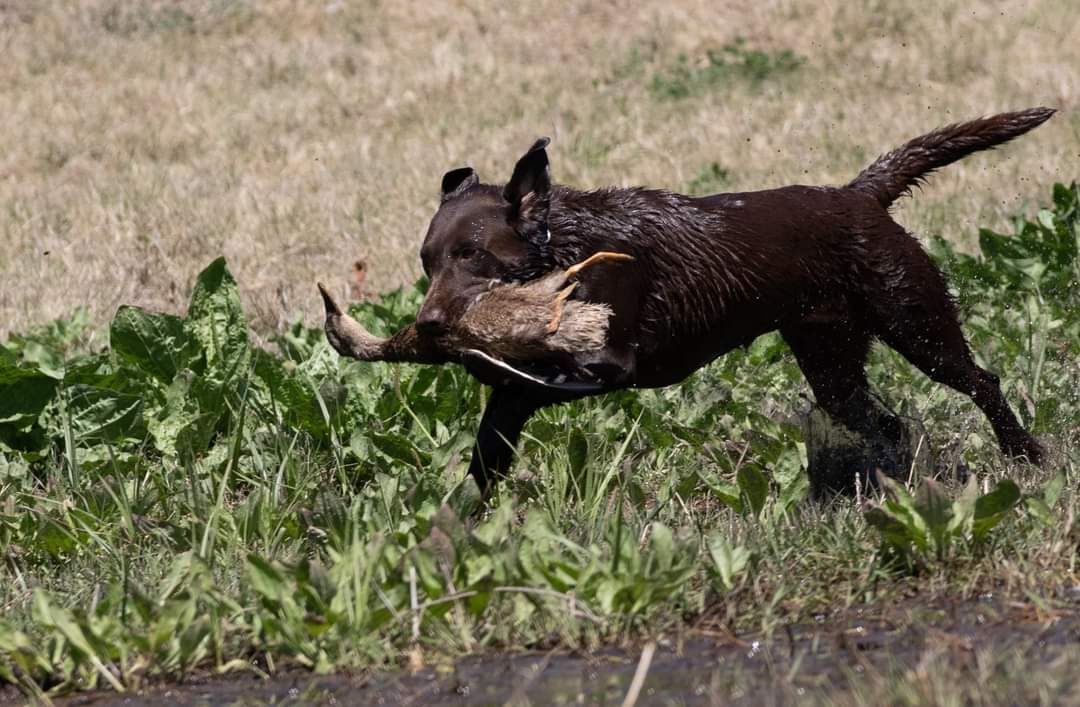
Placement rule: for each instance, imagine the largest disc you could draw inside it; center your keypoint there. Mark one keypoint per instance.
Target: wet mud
(825, 658)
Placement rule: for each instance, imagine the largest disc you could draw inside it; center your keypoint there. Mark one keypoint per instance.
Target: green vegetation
(183, 500)
(734, 62)
(710, 179)
(929, 524)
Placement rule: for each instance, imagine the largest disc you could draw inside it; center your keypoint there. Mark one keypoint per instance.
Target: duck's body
(533, 320)
(513, 323)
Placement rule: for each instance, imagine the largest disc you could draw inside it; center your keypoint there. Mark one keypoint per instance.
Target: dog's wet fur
(827, 266)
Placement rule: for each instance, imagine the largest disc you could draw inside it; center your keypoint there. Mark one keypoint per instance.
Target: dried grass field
(140, 140)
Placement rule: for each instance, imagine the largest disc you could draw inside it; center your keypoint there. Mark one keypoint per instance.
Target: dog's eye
(467, 253)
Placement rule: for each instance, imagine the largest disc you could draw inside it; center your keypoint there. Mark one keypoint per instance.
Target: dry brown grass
(140, 140)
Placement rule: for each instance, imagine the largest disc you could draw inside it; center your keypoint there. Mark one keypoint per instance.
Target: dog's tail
(893, 175)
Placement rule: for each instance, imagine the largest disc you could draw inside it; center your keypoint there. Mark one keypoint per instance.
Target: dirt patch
(832, 659)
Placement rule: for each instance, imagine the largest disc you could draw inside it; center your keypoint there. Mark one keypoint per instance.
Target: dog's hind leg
(934, 343)
(919, 320)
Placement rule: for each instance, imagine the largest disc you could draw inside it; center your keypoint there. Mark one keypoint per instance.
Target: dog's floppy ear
(458, 181)
(529, 189)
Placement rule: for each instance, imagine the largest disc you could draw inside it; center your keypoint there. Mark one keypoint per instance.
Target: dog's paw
(1026, 448)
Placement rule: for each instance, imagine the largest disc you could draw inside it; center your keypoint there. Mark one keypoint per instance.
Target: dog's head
(483, 233)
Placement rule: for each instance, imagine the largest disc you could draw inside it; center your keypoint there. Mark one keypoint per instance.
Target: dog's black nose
(431, 321)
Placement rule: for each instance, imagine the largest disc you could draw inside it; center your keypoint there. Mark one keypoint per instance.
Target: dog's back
(718, 271)
(827, 266)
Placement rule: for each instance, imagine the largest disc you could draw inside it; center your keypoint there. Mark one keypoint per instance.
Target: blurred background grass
(142, 139)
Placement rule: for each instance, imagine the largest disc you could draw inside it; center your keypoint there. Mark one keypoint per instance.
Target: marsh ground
(979, 651)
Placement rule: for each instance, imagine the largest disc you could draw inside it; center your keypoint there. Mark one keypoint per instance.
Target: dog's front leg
(507, 411)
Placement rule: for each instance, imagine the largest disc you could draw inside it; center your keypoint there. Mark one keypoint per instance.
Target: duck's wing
(528, 380)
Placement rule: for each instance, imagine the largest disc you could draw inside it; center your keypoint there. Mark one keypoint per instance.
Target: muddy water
(822, 659)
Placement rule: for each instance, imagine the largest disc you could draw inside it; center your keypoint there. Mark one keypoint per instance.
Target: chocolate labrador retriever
(827, 266)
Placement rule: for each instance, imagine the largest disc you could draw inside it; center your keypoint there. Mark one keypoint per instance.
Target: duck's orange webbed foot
(602, 256)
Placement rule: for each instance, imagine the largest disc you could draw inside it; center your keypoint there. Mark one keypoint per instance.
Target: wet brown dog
(827, 266)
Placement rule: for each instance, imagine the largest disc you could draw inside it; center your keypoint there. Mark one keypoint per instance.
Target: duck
(509, 324)
(532, 320)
